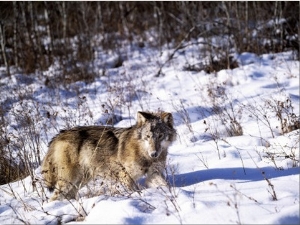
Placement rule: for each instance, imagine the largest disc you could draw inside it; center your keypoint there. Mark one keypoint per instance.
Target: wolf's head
(155, 131)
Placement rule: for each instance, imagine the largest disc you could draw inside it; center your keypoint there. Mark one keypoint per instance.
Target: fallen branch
(179, 46)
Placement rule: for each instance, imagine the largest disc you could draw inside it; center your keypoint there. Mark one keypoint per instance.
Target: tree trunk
(15, 35)
(2, 43)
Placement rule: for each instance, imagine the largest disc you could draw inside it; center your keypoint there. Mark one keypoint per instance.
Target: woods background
(34, 34)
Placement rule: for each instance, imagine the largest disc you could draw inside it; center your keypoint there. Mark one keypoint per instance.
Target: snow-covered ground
(215, 176)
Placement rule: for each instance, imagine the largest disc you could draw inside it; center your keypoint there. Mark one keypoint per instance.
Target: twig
(273, 194)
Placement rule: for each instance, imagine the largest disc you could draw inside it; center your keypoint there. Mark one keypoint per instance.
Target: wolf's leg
(64, 190)
(155, 176)
(67, 184)
(155, 180)
(128, 182)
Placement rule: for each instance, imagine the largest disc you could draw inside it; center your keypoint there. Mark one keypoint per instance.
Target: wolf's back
(75, 148)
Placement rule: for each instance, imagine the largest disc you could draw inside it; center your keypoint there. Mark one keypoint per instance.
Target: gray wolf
(123, 155)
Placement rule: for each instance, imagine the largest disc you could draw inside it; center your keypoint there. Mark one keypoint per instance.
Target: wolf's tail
(49, 175)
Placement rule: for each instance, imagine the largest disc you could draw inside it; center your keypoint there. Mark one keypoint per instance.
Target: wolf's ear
(167, 118)
(142, 117)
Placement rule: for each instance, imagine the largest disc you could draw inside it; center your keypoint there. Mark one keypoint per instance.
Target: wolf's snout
(154, 154)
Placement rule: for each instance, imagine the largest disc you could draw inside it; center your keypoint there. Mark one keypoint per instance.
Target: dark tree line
(34, 34)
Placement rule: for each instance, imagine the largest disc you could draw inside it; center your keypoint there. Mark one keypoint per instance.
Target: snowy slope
(215, 177)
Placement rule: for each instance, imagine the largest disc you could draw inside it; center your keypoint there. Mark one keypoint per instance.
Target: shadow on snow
(238, 173)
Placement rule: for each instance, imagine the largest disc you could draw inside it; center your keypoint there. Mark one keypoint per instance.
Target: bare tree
(15, 34)
(3, 43)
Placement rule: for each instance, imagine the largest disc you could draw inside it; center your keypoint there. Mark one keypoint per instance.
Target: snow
(214, 177)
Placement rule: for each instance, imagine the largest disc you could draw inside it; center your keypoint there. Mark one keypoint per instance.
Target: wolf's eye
(161, 136)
